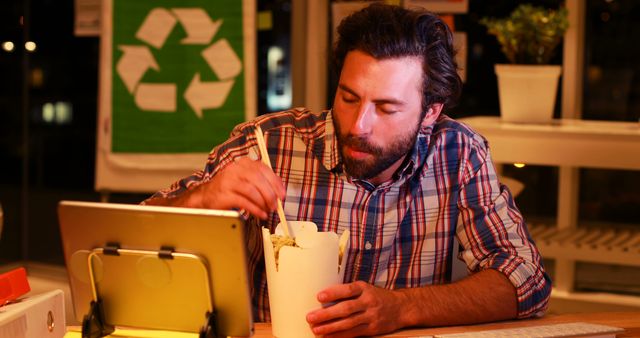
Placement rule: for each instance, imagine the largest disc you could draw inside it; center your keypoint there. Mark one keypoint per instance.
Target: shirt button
(368, 246)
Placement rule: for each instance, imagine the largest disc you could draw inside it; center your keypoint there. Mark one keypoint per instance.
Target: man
(407, 181)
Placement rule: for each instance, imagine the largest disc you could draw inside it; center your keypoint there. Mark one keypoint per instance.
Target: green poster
(177, 74)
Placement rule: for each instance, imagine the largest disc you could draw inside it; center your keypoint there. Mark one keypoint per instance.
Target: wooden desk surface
(630, 321)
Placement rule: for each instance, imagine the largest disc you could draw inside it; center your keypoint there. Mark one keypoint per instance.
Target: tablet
(171, 265)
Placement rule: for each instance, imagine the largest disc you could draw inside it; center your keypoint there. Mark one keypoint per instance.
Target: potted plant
(528, 37)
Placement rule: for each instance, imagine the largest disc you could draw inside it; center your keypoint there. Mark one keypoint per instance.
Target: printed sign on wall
(177, 81)
(176, 77)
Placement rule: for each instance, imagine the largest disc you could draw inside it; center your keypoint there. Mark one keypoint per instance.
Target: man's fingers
(346, 311)
(340, 291)
(254, 209)
(276, 183)
(340, 310)
(251, 197)
(267, 182)
(255, 188)
(270, 186)
(355, 321)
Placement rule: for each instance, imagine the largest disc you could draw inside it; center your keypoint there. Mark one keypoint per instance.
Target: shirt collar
(331, 156)
(418, 153)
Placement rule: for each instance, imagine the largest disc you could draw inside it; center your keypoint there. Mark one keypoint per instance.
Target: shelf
(565, 142)
(598, 245)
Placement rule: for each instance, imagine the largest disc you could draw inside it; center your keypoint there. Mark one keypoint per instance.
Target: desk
(630, 321)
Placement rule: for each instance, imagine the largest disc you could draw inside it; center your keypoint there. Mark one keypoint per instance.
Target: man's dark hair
(386, 31)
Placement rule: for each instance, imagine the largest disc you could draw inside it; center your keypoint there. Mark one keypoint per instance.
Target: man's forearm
(185, 199)
(483, 297)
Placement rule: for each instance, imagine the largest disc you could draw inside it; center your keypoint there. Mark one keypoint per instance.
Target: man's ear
(432, 114)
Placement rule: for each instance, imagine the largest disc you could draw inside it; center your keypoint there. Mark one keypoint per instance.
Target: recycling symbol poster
(174, 79)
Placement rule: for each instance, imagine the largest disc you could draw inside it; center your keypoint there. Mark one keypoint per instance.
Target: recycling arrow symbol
(136, 60)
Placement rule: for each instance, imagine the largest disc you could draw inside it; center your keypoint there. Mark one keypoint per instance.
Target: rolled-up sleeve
(494, 234)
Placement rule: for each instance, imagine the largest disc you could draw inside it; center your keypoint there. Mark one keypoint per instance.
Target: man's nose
(364, 120)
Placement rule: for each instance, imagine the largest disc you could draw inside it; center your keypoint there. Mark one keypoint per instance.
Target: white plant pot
(527, 92)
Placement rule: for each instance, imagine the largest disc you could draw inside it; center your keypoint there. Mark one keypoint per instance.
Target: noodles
(279, 242)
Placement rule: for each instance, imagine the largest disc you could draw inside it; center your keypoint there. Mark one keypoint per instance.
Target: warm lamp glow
(48, 112)
(8, 46)
(30, 46)
(519, 165)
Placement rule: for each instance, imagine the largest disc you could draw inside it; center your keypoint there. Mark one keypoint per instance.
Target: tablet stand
(95, 324)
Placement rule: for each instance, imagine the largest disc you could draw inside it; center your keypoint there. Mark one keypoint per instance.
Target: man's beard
(381, 157)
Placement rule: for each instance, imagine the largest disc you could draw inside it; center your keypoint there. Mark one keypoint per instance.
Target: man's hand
(244, 184)
(360, 309)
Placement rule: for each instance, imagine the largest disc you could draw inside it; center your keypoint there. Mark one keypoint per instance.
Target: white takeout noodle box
(301, 273)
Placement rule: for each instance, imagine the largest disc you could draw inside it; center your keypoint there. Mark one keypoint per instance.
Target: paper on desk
(302, 272)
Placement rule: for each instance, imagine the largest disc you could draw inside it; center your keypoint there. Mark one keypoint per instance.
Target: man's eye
(387, 110)
(349, 99)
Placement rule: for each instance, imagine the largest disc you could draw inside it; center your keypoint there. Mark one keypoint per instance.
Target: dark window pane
(612, 80)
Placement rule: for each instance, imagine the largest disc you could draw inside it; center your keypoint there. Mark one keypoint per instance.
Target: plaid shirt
(403, 232)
